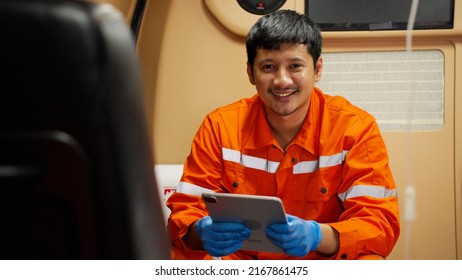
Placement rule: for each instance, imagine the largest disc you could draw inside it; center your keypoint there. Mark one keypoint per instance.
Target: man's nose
(282, 78)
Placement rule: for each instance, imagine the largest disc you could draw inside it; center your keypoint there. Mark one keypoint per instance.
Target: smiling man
(324, 158)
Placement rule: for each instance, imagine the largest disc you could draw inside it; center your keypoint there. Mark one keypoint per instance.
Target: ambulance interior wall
(193, 60)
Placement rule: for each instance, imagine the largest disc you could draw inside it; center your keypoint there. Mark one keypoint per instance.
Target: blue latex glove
(223, 238)
(297, 238)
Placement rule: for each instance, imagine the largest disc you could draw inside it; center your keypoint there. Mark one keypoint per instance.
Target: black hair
(283, 26)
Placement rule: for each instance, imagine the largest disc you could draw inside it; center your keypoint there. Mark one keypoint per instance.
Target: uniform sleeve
(203, 171)
(370, 223)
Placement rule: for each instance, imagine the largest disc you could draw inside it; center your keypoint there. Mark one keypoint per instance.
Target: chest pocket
(240, 179)
(323, 185)
(314, 195)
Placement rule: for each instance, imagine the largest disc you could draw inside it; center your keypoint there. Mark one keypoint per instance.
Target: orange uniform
(335, 171)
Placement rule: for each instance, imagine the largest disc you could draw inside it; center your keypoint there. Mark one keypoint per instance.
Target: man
(324, 157)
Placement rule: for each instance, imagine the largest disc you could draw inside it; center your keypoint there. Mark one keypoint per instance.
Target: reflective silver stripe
(305, 167)
(231, 155)
(372, 191)
(333, 160)
(191, 189)
(324, 161)
(272, 166)
(250, 161)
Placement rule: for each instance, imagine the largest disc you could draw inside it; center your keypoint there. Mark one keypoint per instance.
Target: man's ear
(318, 70)
(250, 74)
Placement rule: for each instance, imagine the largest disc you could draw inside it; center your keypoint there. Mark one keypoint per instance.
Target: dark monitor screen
(349, 15)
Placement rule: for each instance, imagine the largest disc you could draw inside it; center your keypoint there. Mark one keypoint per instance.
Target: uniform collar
(257, 133)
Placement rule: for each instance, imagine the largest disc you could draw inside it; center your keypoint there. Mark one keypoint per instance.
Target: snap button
(323, 190)
(235, 184)
(344, 256)
(294, 160)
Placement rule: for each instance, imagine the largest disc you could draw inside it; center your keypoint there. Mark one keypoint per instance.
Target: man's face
(285, 79)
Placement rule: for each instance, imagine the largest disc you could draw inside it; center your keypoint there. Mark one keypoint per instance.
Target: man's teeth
(283, 94)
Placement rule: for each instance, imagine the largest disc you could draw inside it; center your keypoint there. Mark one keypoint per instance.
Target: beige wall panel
(201, 66)
(458, 143)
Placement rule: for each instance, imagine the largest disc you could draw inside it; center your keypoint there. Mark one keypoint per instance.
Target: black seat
(76, 168)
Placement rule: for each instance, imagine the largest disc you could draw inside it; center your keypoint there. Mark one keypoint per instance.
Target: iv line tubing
(409, 213)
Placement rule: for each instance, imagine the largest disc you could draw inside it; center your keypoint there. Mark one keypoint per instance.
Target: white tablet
(255, 211)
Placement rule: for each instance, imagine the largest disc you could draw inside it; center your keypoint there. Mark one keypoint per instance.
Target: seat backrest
(76, 167)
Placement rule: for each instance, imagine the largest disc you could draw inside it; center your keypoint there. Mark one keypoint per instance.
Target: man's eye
(268, 66)
(296, 66)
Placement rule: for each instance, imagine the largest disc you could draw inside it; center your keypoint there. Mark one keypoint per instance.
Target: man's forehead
(287, 50)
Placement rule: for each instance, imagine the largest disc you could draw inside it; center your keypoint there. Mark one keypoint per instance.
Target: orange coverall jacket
(335, 171)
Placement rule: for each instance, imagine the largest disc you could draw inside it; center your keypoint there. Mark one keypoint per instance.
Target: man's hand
(297, 237)
(223, 238)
